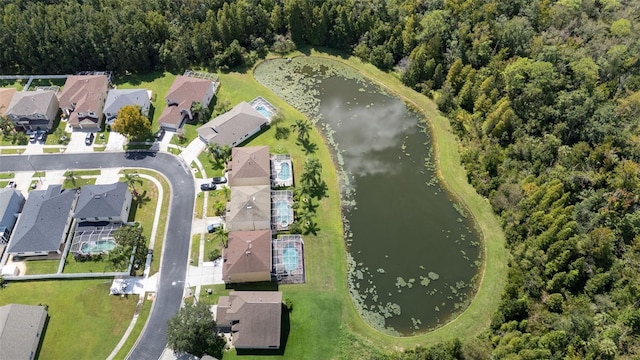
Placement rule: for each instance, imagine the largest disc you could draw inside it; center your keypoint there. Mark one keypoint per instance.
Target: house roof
(20, 330)
(43, 220)
(182, 94)
(6, 94)
(257, 316)
(250, 162)
(250, 204)
(7, 196)
(101, 200)
(32, 102)
(247, 252)
(188, 90)
(84, 94)
(232, 125)
(116, 99)
(171, 115)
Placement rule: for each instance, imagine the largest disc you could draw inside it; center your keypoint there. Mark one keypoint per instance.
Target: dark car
(219, 180)
(207, 187)
(88, 140)
(160, 134)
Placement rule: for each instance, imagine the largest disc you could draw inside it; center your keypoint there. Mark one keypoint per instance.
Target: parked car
(219, 180)
(88, 140)
(42, 136)
(160, 134)
(12, 184)
(207, 187)
(32, 136)
(213, 227)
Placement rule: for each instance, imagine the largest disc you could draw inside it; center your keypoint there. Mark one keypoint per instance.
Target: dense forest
(544, 96)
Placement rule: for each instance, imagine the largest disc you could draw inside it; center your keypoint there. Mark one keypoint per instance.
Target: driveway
(76, 143)
(173, 265)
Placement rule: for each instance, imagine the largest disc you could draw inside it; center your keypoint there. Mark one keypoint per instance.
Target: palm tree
(222, 235)
(312, 172)
(200, 112)
(219, 153)
(302, 127)
(276, 119)
(71, 177)
(131, 179)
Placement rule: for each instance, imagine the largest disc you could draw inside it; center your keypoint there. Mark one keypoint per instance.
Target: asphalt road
(173, 268)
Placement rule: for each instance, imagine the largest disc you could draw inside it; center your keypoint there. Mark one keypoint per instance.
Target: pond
(413, 255)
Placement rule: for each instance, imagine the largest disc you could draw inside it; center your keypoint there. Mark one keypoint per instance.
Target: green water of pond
(413, 255)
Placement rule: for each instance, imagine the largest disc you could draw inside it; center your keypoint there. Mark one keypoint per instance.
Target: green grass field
(195, 250)
(37, 267)
(84, 321)
(137, 329)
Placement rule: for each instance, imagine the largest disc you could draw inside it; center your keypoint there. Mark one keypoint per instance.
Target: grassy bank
(478, 316)
(84, 321)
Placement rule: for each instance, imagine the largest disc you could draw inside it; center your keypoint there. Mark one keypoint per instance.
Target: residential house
(249, 166)
(117, 99)
(44, 224)
(247, 257)
(109, 202)
(33, 110)
(6, 94)
(254, 318)
(233, 127)
(249, 208)
(11, 201)
(82, 100)
(21, 330)
(183, 93)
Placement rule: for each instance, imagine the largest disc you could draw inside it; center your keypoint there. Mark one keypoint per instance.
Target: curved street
(175, 252)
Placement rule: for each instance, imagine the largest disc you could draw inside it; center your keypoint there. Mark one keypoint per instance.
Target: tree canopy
(132, 123)
(544, 96)
(193, 331)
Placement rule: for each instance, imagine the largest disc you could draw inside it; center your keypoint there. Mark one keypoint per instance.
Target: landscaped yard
(35, 267)
(195, 249)
(84, 321)
(211, 167)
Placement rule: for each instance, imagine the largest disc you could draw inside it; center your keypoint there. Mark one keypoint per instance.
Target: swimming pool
(264, 111)
(290, 257)
(98, 247)
(283, 213)
(285, 171)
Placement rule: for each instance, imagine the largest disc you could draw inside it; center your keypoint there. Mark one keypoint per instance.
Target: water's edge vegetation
(476, 318)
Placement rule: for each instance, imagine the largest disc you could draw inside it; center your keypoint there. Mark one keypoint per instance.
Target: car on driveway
(12, 184)
(42, 136)
(160, 134)
(207, 187)
(88, 140)
(32, 136)
(212, 227)
(219, 180)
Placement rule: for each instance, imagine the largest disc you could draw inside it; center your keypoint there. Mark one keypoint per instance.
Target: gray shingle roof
(116, 99)
(42, 223)
(20, 330)
(232, 125)
(9, 200)
(101, 200)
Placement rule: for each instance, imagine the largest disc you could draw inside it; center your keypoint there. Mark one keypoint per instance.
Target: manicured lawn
(55, 150)
(145, 310)
(215, 196)
(10, 151)
(95, 266)
(35, 267)
(84, 323)
(189, 133)
(7, 175)
(211, 242)
(199, 205)
(195, 249)
(83, 172)
(196, 170)
(145, 213)
(79, 182)
(217, 291)
(211, 167)
(158, 82)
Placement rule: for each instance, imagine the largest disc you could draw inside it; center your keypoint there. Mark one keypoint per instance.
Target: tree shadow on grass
(285, 328)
